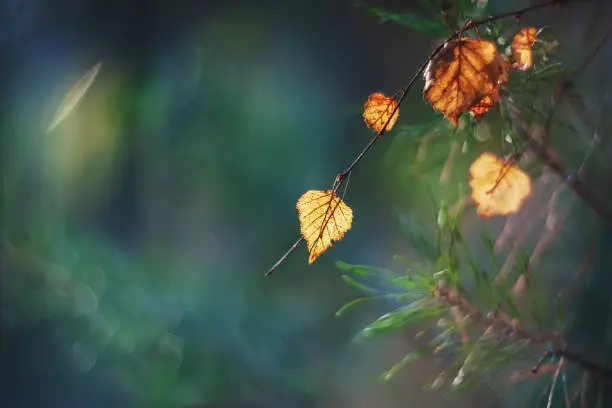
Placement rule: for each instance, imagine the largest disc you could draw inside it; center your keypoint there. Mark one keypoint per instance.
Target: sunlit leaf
(481, 107)
(522, 48)
(74, 95)
(377, 111)
(462, 74)
(498, 188)
(324, 218)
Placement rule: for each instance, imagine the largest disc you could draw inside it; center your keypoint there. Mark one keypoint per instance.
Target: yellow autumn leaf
(324, 218)
(377, 111)
(482, 106)
(462, 74)
(498, 187)
(522, 48)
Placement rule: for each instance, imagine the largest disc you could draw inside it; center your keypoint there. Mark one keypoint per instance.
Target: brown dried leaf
(462, 74)
(377, 111)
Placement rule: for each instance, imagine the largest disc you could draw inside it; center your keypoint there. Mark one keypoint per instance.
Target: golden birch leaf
(482, 106)
(324, 218)
(522, 48)
(462, 74)
(498, 187)
(377, 111)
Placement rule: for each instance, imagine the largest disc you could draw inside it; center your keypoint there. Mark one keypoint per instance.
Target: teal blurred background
(137, 233)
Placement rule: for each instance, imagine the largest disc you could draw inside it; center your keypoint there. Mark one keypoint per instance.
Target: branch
(499, 320)
(342, 177)
(575, 358)
(548, 156)
(505, 324)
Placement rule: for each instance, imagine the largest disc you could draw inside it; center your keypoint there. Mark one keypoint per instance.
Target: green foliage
(489, 315)
(480, 317)
(419, 238)
(408, 358)
(412, 21)
(450, 280)
(437, 19)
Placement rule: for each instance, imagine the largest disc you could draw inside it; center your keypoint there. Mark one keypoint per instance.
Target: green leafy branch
(434, 290)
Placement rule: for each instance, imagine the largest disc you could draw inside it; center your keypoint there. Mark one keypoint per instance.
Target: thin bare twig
(460, 323)
(285, 256)
(586, 377)
(565, 391)
(554, 383)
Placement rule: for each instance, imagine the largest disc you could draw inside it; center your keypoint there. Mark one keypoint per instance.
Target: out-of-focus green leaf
(503, 290)
(413, 21)
(74, 95)
(363, 270)
(560, 313)
(359, 286)
(473, 9)
(414, 283)
(422, 242)
(444, 336)
(412, 356)
(413, 268)
(431, 5)
(420, 148)
(350, 305)
(415, 312)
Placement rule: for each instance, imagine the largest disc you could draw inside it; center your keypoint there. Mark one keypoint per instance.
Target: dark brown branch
(503, 323)
(575, 358)
(341, 178)
(571, 179)
(499, 320)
